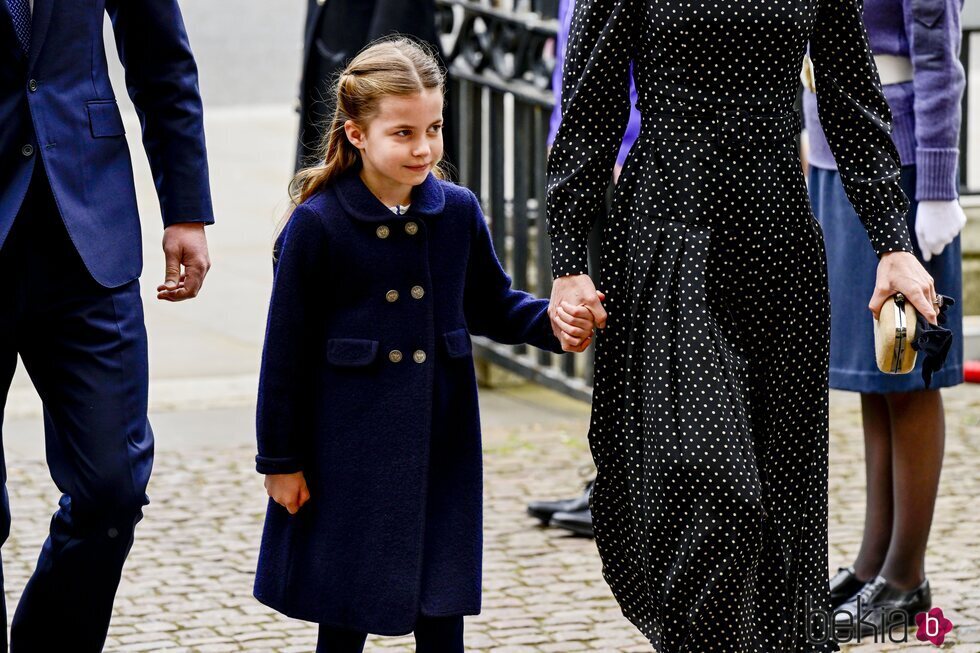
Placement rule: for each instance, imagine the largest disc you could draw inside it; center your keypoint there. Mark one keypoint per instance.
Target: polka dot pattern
(709, 423)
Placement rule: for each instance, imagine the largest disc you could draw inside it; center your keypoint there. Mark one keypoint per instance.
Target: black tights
(904, 435)
(432, 635)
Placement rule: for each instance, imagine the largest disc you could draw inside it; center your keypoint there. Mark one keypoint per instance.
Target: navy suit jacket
(57, 109)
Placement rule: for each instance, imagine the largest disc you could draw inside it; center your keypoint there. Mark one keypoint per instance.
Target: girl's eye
(436, 128)
(403, 132)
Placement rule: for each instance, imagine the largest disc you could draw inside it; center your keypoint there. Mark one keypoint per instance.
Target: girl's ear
(354, 134)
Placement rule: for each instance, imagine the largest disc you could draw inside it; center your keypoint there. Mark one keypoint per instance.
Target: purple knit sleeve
(933, 28)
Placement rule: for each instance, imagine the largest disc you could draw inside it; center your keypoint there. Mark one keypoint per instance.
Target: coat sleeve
(938, 80)
(161, 78)
(284, 409)
(857, 122)
(595, 111)
(494, 309)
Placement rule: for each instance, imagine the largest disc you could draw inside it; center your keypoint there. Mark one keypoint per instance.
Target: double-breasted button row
(418, 292)
(395, 356)
(411, 228)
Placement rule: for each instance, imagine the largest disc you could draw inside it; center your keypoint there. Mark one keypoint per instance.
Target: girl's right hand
(288, 490)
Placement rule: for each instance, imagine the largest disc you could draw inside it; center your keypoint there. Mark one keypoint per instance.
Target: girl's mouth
(418, 168)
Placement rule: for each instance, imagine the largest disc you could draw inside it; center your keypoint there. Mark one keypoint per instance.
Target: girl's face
(401, 144)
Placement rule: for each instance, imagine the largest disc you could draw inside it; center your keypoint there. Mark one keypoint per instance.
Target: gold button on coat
(392, 295)
(419, 356)
(411, 228)
(418, 292)
(383, 231)
(395, 356)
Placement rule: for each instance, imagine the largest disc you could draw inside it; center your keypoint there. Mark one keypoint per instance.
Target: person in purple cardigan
(574, 514)
(916, 45)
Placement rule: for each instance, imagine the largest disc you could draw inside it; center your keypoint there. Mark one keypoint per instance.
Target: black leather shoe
(875, 610)
(844, 586)
(544, 510)
(579, 522)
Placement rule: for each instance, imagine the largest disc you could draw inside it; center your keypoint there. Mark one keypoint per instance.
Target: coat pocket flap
(351, 352)
(104, 119)
(458, 343)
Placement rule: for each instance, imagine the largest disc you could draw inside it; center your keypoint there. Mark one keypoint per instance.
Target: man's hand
(184, 244)
(575, 310)
(288, 490)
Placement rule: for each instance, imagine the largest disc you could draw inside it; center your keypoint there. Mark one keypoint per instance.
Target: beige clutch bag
(894, 333)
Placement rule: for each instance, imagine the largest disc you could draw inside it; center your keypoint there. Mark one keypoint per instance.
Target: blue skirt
(852, 267)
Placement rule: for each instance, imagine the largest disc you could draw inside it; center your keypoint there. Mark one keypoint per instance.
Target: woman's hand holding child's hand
(288, 490)
(576, 310)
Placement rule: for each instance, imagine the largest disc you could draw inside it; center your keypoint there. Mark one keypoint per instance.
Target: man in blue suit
(70, 253)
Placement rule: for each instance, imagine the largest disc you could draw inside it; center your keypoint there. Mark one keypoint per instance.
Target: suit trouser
(84, 347)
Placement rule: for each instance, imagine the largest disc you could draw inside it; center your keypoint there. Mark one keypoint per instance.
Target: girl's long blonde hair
(393, 66)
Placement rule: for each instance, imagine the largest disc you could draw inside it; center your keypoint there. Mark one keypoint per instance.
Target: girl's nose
(422, 149)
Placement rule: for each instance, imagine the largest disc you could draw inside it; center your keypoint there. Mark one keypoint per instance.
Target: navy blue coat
(58, 108)
(368, 387)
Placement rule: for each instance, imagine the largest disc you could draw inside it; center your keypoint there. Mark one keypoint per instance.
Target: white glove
(937, 223)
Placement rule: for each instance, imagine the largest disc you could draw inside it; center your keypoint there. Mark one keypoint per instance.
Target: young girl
(368, 424)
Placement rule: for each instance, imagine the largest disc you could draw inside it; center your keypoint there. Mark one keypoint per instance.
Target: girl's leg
(339, 640)
(439, 635)
(918, 439)
(878, 472)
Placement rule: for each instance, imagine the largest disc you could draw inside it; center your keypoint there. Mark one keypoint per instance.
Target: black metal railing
(501, 57)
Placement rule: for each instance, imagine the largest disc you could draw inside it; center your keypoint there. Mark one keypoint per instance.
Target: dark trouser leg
(84, 347)
(339, 640)
(878, 473)
(439, 635)
(918, 431)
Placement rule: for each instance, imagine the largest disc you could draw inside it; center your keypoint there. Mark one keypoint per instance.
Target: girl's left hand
(902, 272)
(576, 325)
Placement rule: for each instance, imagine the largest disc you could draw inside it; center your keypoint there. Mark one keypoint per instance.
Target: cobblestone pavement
(187, 584)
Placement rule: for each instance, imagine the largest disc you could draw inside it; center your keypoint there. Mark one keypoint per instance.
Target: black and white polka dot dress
(709, 423)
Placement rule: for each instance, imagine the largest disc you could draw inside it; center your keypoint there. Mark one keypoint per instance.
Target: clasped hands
(576, 311)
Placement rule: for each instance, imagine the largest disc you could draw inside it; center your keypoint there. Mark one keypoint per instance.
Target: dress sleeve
(595, 111)
(284, 408)
(857, 122)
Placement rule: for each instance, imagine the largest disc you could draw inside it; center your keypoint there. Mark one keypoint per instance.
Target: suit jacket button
(419, 356)
(32, 85)
(392, 295)
(27, 150)
(418, 292)
(411, 228)
(383, 231)
(395, 356)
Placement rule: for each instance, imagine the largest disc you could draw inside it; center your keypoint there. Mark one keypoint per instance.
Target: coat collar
(428, 199)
